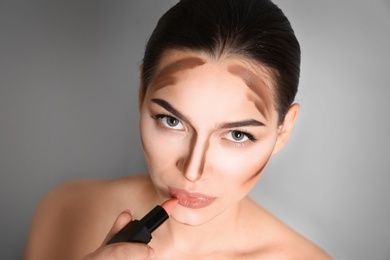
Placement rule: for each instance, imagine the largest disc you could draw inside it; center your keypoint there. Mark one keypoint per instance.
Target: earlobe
(140, 89)
(286, 128)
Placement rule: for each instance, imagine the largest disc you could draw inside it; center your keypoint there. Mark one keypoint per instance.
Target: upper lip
(176, 192)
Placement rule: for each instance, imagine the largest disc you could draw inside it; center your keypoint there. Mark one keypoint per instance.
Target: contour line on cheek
(256, 84)
(257, 173)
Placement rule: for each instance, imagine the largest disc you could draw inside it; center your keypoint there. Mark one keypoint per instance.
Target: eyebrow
(170, 108)
(250, 122)
(173, 111)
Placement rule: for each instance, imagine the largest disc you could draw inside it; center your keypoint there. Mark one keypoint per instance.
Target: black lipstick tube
(141, 230)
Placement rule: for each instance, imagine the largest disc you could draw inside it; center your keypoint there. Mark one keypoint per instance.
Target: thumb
(122, 220)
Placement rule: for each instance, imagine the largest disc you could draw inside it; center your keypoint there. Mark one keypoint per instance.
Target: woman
(218, 81)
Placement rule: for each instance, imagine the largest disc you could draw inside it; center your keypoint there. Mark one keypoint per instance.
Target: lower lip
(191, 200)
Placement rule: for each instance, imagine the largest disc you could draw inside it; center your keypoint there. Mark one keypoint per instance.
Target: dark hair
(254, 29)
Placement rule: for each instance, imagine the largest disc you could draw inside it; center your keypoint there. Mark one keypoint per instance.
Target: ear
(286, 128)
(140, 89)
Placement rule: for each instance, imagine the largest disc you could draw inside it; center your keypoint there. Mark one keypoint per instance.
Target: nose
(192, 163)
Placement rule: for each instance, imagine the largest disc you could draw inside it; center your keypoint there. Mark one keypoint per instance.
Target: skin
(200, 154)
(205, 150)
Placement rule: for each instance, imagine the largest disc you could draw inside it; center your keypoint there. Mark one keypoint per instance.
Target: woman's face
(208, 129)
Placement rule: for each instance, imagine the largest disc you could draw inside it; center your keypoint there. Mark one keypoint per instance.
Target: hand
(124, 250)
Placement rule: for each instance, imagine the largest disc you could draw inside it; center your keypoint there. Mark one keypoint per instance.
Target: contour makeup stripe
(256, 84)
(197, 155)
(257, 173)
(166, 75)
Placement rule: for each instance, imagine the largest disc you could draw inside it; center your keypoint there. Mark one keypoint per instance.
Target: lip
(193, 200)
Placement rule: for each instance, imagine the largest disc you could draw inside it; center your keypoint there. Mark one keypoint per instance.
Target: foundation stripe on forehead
(255, 83)
(166, 73)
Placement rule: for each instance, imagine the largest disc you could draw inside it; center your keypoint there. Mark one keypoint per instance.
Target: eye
(170, 122)
(239, 136)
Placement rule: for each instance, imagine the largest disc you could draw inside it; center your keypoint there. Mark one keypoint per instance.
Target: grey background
(68, 92)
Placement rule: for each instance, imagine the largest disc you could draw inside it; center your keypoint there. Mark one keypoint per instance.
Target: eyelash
(159, 116)
(247, 134)
(162, 116)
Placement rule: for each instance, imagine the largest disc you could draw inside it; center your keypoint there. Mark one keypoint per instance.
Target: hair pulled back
(254, 29)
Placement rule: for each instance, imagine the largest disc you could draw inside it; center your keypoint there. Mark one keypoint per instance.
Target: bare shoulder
(278, 240)
(74, 218)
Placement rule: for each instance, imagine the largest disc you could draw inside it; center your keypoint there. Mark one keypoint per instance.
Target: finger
(151, 252)
(122, 220)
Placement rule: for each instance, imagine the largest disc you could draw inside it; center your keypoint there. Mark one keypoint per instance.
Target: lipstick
(193, 200)
(141, 230)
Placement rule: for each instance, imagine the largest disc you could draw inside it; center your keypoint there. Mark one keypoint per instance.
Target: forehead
(255, 77)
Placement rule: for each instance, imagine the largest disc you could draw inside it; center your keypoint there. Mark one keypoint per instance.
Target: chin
(193, 217)
(189, 221)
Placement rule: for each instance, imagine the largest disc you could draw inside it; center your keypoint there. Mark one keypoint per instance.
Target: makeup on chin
(141, 230)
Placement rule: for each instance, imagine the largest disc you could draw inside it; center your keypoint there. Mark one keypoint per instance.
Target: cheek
(241, 169)
(160, 150)
(151, 143)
